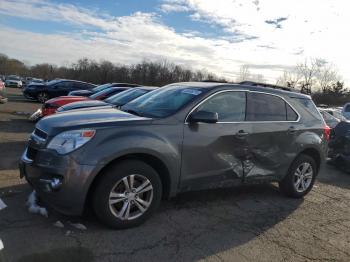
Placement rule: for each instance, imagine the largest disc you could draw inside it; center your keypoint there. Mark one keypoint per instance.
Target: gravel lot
(250, 223)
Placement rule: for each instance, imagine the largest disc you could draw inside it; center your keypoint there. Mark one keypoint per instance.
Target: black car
(181, 137)
(116, 100)
(99, 88)
(54, 88)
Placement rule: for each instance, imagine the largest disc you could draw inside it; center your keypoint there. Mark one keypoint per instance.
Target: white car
(330, 120)
(14, 81)
(337, 113)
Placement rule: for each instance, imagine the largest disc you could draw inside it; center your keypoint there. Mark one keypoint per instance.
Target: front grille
(31, 153)
(40, 133)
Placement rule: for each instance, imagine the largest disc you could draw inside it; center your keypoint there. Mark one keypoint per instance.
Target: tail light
(327, 132)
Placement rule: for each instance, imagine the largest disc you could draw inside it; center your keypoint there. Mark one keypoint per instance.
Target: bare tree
(289, 79)
(308, 71)
(327, 77)
(244, 73)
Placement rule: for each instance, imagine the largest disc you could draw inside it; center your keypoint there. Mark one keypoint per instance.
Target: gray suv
(184, 136)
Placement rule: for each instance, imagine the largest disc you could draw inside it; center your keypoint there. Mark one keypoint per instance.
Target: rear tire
(42, 97)
(300, 177)
(118, 200)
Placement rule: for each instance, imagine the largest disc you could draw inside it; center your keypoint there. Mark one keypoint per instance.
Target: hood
(82, 104)
(57, 123)
(62, 100)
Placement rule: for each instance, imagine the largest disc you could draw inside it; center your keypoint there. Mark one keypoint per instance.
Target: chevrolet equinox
(184, 136)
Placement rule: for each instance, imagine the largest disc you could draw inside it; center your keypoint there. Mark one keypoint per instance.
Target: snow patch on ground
(2, 204)
(58, 224)
(33, 207)
(78, 226)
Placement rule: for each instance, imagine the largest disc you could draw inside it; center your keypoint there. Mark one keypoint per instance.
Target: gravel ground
(250, 223)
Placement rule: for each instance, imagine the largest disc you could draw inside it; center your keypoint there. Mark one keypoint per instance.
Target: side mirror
(204, 117)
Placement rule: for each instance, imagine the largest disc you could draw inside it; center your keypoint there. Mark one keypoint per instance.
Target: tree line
(313, 76)
(145, 73)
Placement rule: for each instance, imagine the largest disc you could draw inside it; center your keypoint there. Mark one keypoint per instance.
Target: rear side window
(309, 107)
(230, 106)
(265, 107)
(291, 114)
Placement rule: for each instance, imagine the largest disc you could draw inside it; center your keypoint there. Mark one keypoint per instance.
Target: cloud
(276, 22)
(245, 36)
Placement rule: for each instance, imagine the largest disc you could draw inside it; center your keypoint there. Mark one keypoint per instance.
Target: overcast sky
(217, 35)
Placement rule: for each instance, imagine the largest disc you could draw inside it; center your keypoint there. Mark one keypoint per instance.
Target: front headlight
(68, 141)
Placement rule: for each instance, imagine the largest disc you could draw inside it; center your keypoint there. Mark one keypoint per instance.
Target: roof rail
(252, 83)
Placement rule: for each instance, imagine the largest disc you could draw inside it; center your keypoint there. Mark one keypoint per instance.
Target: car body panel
(90, 92)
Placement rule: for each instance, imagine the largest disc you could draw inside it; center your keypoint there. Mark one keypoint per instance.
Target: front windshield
(125, 96)
(100, 88)
(162, 102)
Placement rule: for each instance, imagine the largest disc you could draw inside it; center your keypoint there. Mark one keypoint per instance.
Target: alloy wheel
(43, 97)
(303, 177)
(131, 197)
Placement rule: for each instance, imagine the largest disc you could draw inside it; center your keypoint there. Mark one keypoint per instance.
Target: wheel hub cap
(131, 197)
(303, 177)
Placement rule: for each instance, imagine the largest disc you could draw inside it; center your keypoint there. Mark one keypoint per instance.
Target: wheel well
(151, 160)
(314, 154)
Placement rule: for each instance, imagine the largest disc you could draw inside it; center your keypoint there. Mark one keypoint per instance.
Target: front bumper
(72, 179)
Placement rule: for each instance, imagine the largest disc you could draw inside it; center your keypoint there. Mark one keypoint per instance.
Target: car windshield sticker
(191, 92)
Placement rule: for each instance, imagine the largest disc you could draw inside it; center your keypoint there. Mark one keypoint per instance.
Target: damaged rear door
(213, 153)
(272, 139)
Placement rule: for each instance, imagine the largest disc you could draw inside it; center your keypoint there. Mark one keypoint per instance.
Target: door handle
(291, 130)
(241, 133)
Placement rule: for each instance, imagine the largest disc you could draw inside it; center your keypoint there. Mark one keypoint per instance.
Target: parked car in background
(330, 120)
(346, 111)
(336, 112)
(58, 87)
(99, 88)
(50, 106)
(13, 81)
(181, 137)
(3, 96)
(116, 100)
(339, 146)
(36, 81)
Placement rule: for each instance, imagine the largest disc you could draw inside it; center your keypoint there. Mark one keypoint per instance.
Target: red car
(50, 106)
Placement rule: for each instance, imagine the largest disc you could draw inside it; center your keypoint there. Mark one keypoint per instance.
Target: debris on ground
(58, 224)
(33, 207)
(2, 258)
(78, 226)
(20, 113)
(2, 205)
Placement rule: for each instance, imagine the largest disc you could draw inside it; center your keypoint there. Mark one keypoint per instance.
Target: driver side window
(229, 105)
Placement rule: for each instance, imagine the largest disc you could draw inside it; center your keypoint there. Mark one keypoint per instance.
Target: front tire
(300, 177)
(127, 194)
